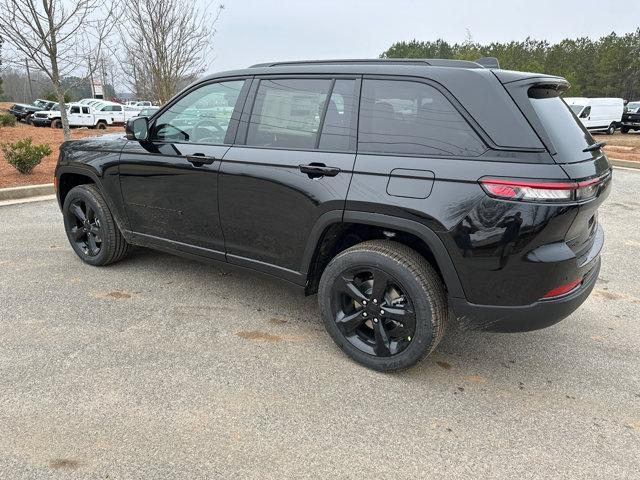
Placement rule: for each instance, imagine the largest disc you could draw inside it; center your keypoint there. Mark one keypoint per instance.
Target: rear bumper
(540, 314)
(524, 318)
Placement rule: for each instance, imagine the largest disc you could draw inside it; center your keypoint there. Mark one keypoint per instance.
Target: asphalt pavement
(162, 368)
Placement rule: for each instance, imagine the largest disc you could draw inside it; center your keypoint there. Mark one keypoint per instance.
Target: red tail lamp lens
(540, 190)
(562, 289)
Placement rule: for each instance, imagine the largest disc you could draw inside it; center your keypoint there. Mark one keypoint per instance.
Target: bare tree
(166, 42)
(59, 37)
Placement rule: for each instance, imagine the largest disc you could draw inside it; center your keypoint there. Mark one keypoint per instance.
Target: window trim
(466, 116)
(243, 128)
(233, 122)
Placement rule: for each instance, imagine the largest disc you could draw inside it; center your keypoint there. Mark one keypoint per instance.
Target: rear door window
(338, 128)
(287, 112)
(412, 118)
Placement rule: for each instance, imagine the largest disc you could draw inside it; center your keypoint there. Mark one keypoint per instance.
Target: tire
(56, 123)
(611, 129)
(101, 126)
(108, 245)
(407, 279)
(28, 120)
(624, 130)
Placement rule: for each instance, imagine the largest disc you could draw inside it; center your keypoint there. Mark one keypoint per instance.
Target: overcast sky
(252, 31)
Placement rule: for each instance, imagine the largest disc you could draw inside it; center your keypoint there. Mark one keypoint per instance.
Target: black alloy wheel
(91, 229)
(383, 304)
(373, 311)
(86, 229)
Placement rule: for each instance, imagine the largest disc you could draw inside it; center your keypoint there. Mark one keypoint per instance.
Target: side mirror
(137, 128)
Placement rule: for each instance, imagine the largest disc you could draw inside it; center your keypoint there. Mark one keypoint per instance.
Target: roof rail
(437, 62)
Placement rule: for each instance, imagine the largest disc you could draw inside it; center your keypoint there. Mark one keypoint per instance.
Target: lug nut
(364, 302)
(364, 314)
(375, 320)
(381, 312)
(375, 300)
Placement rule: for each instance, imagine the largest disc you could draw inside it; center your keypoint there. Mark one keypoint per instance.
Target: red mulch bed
(43, 173)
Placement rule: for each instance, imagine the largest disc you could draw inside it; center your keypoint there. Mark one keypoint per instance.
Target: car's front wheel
(383, 304)
(91, 228)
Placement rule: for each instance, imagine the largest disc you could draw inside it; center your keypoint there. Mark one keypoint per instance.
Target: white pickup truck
(95, 115)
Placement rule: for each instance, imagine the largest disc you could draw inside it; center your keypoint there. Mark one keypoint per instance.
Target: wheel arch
(334, 230)
(69, 177)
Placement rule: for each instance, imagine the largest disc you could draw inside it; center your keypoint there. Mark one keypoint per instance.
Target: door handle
(317, 170)
(199, 159)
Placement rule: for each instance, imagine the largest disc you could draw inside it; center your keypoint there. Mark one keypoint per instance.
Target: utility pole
(26, 62)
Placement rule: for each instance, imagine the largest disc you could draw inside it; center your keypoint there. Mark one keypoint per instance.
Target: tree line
(606, 67)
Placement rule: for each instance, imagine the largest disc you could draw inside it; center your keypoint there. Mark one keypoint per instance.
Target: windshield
(566, 132)
(633, 105)
(40, 103)
(576, 108)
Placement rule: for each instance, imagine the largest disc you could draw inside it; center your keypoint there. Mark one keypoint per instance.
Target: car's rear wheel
(91, 228)
(56, 124)
(624, 129)
(101, 125)
(383, 304)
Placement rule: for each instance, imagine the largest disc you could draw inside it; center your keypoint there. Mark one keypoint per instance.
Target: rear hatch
(571, 146)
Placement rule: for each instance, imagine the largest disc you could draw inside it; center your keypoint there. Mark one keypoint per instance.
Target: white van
(598, 114)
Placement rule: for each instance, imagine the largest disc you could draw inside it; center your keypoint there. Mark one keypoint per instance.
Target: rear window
(566, 132)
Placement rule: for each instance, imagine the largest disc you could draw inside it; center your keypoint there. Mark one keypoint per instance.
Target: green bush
(7, 120)
(24, 155)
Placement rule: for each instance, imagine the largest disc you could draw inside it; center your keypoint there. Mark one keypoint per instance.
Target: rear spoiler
(488, 62)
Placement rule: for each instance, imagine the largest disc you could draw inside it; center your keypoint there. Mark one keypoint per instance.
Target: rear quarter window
(566, 132)
(412, 118)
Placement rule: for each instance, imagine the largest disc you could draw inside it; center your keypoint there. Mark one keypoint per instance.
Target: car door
(288, 171)
(75, 116)
(170, 182)
(118, 113)
(87, 118)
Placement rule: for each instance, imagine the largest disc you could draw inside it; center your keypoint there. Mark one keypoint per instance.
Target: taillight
(562, 289)
(541, 190)
(55, 183)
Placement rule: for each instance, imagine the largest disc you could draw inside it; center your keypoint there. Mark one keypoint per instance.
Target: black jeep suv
(403, 192)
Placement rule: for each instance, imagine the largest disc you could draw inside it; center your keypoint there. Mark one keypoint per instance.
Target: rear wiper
(595, 146)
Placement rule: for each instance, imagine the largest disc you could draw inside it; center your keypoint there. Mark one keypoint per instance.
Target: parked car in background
(631, 117)
(47, 118)
(148, 111)
(406, 193)
(88, 113)
(598, 114)
(24, 112)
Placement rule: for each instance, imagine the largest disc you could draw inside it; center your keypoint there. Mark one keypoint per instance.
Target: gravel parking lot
(162, 368)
